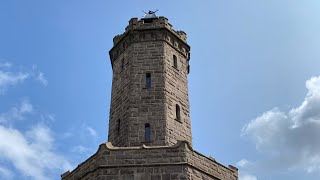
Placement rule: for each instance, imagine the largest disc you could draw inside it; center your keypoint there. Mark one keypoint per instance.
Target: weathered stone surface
(142, 49)
(157, 164)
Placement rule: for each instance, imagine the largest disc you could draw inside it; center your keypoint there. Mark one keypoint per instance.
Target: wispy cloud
(244, 164)
(81, 150)
(247, 177)
(5, 173)
(5, 65)
(91, 131)
(17, 112)
(40, 77)
(9, 77)
(289, 139)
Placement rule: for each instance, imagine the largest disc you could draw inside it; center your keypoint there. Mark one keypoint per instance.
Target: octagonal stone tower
(150, 63)
(149, 126)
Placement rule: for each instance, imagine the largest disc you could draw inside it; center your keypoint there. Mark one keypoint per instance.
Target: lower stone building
(149, 125)
(175, 162)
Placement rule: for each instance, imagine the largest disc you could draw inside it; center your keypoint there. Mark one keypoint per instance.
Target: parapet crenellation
(157, 29)
(160, 22)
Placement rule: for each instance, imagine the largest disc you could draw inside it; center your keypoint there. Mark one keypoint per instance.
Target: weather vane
(150, 12)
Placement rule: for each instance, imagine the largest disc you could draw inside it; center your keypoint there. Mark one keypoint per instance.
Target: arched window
(175, 61)
(147, 132)
(148, 80)
(178, 117)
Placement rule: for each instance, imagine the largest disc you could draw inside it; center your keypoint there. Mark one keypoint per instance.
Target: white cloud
(91, 131)
(40, 77)
(242, 163)
(31, 153)
(247, 177)
(80, 149)
(8, 77)
(291, 140)
(17, 112)
(5, 65)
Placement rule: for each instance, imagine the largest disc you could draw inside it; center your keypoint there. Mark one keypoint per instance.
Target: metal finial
(150, 14)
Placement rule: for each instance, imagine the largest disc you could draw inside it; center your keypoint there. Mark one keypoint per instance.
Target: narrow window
(188, 69)
(122, 63)
(175, 61)
(147, 133)
(148, 80)
(118, 127)
(178, 112)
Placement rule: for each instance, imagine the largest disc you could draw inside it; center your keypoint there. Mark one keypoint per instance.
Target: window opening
(178, 112)
(118, 126)
(148, 80)
(175, 61)
(147, 133)
(122, 63)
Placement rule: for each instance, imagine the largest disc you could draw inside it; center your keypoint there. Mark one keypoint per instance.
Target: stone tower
(150, 63)
(149, 126)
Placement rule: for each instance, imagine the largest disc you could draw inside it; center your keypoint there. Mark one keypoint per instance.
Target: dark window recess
(147, 134)
(188, 69)
(118, 126)
(148, 80)
(148, 20)
(175, 61)
(178, 117)
(122, 63)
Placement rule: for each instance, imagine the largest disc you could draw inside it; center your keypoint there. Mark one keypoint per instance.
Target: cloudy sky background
(254, 82)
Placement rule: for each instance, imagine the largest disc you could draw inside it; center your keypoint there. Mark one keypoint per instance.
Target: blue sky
(254, 82)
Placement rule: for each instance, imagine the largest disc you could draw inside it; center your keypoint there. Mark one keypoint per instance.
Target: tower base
(175, 162)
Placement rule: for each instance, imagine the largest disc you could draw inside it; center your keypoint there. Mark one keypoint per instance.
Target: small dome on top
(150, 15)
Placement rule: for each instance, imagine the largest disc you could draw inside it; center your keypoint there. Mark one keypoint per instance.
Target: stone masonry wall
(150, 163)
(176, 93)
(147, 104)
(202, 166)
(133, 105)
(120, 100)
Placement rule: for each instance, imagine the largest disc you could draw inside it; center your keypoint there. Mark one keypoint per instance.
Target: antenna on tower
(150, 14)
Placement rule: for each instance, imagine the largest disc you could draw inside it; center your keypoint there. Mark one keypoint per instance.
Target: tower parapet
(177, 39)
(159, 22)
